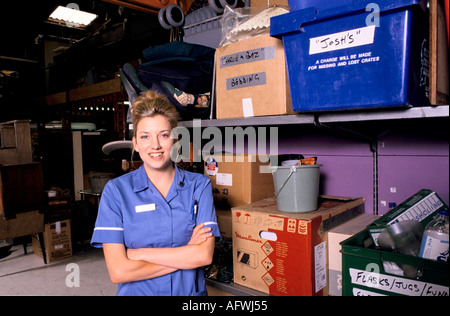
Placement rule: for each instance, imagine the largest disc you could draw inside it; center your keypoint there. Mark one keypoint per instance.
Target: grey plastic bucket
(296, 187)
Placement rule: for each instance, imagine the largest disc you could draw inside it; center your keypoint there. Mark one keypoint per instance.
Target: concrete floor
(22, 274)
(27, 275)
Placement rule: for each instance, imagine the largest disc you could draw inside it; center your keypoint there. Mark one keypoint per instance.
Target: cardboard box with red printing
(283, 253)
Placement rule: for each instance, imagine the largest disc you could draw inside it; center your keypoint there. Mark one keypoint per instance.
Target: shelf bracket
(348, 132)
(373, 145)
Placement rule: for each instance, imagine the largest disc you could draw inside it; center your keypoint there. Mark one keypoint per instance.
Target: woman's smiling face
(153, 142)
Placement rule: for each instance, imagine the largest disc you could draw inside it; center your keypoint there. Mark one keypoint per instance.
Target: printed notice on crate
(352, 38)
(398, 285)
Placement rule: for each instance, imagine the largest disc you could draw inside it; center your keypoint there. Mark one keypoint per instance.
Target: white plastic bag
(243, 23)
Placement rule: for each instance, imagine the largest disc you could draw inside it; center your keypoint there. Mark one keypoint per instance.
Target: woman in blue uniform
(156, 224)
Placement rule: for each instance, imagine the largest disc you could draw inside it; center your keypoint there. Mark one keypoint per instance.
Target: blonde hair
(150, 104)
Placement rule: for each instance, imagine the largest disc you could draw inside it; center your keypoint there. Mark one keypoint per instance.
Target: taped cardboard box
(335, 236)
(57, 241)
(224, 221)
(239, 179)
(251, 79)
(269, 3)
(284, 253)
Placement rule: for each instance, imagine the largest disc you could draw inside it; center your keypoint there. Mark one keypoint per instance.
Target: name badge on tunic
(145, 208)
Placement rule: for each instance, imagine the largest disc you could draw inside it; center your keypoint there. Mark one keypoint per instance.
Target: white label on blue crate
(352, 38)
(250, 80)
(395, 284)
(248, 56)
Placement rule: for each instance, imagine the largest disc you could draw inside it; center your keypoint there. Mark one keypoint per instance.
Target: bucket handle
(293, 169)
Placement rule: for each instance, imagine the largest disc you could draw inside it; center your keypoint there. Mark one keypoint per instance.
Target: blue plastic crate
(295, 5)
(340, 59)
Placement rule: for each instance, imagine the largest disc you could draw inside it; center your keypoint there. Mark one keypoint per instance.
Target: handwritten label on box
(396, 284)
(246, 81)
(248, 56)
(342, 40)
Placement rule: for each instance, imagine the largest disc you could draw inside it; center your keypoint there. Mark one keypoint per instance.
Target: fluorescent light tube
(70, 15)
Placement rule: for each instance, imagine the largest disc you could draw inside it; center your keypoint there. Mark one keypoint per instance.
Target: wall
(347, 164)
(412, 157)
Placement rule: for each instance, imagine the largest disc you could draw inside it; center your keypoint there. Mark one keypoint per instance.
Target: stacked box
(57, 241)
(246, 71)
(335, 237)
(239, 179)
(286, 253)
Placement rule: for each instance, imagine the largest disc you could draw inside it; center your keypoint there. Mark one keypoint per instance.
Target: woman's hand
(200, 234)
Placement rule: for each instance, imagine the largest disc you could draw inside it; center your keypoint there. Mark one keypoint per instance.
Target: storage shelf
(329, 117)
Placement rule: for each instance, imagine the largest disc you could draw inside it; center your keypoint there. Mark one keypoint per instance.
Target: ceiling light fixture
(72, 17)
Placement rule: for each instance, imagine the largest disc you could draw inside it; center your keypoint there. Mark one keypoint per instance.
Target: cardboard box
(335, 236)
(224, 221)
(57, 241)
(284, 253)
(251, 79)
(237, 179)
(269, 3)
(422, 207)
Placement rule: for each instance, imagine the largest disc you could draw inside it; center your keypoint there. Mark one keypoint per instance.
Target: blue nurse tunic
(133, 212)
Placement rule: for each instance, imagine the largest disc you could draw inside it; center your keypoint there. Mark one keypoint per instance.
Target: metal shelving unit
(331, 121)
(427, 112)
(441, 111)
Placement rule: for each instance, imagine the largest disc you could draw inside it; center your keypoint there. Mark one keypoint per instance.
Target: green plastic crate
(363, 272)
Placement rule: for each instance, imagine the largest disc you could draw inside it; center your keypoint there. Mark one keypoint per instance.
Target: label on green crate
(393, 284)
